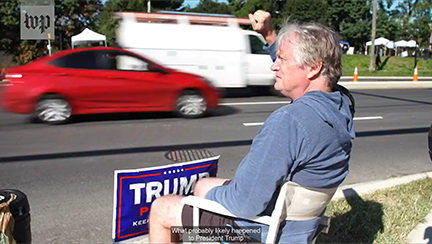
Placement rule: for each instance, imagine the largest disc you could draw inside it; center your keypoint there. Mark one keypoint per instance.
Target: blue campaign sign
(135, 190)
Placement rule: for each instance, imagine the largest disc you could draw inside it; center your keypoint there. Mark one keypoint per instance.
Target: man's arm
(264, 169)
(261, 23)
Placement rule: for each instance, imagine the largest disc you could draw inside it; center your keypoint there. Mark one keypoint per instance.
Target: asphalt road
(67, 171)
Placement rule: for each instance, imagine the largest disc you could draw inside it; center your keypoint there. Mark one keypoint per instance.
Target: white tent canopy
(412, 43)
(403, 43)
(390, 44)
(378, 42)
(87, 36)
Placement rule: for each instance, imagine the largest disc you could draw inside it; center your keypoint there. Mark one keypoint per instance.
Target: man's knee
(205, 184)
(167, 210)
(158, 205)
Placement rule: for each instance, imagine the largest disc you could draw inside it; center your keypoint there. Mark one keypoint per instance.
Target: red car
(102, 80)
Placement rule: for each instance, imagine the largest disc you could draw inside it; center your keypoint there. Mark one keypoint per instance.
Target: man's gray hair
(314, 43)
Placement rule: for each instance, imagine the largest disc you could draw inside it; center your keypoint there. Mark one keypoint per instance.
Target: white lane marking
(255, 103)
(368, 118)
(356, 118)
(253, 124)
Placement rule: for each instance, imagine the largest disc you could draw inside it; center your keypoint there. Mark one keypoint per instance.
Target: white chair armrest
(212, 206)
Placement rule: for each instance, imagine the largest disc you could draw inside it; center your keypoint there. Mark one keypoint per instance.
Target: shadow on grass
(360, 225)
(383, 64)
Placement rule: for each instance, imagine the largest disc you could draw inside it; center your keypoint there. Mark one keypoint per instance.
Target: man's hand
(261, 23)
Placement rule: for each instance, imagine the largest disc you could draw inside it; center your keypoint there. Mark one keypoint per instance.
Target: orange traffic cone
(355, 77)
(415, 77)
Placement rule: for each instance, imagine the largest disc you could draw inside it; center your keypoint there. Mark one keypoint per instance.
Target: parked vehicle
(102, 80)
(212, 46)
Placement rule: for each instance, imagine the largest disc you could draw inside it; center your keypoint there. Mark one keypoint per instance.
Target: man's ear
(315, 70)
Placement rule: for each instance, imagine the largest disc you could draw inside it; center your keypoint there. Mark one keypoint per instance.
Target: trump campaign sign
(135, 190)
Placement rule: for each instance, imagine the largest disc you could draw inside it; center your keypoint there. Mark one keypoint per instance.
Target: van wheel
(53, 109)
(190, 104)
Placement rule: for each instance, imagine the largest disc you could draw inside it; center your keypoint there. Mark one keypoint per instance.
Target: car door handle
(60, 74)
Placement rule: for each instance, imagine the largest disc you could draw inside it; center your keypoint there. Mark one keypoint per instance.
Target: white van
(213, 47)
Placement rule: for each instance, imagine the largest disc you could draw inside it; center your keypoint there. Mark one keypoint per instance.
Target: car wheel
(190, 104)
(53, 109)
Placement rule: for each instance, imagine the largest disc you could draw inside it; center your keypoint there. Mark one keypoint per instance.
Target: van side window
(256, 45)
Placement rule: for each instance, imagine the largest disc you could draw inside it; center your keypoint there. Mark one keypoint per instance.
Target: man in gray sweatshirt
(308, 140)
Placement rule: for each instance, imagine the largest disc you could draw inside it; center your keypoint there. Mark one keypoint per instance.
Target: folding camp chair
(290, 192)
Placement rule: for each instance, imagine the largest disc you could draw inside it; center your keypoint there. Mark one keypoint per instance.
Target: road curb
(371, 186)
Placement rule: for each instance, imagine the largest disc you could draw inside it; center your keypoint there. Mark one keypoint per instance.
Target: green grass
(385, 216)
(390, 66)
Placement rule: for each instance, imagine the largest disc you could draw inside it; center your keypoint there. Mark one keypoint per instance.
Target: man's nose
(275, 65)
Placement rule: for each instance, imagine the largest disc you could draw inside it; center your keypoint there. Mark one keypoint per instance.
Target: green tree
(10, 27)
(422, 22)
(210, 6)
(169, 5)
(386, 27)
(71, 16)
(355, 23)
(413, 20)
(306, 11)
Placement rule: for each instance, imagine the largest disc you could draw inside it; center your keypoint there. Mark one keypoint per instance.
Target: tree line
(396, 19)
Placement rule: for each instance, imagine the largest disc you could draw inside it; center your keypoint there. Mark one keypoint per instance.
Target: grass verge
(389, 66)
(385, 216)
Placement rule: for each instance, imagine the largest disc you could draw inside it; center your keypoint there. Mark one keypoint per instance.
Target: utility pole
(148, 6)
(372, 46)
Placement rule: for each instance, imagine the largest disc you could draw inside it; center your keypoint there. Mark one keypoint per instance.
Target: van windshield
(256, 45)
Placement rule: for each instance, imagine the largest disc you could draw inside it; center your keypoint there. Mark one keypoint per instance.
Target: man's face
(291, 80)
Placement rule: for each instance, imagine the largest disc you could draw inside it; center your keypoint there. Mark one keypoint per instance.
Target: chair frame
(273, 221)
